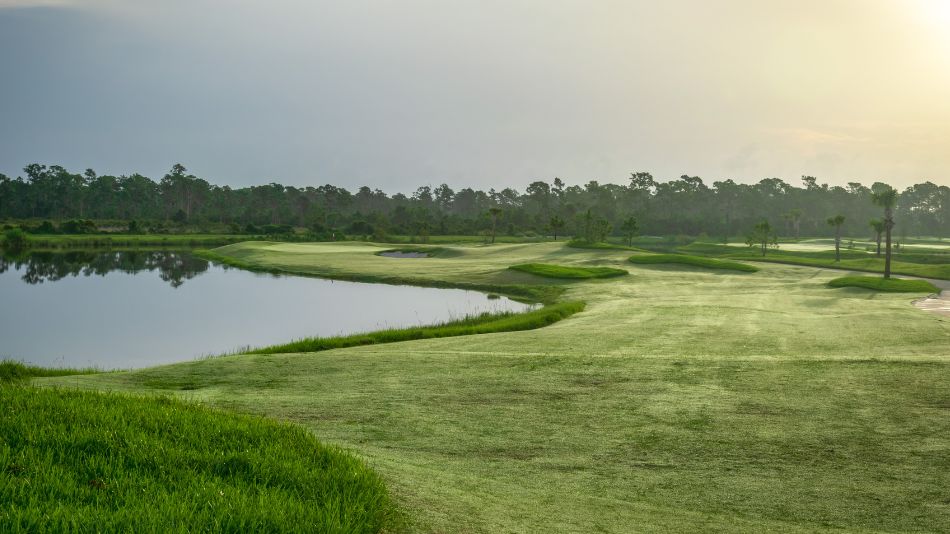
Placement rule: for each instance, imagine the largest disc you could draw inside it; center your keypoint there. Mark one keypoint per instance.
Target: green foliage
(694, 261)
(894, 285)
(630, 228)
(563, 271)
(762, 235)
(78, 226)
(15, 239)
(481, 324)
(80, 461)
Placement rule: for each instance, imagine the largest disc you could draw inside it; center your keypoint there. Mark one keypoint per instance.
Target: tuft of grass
(548, 270)
(694, 261)
(892, 285)
(480, 324)
(13, 371)
(84, 461)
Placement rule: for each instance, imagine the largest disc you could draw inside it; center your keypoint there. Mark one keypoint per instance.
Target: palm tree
(495, 212)
(556, 224)
(878, 226)
(887, 199)
(837, 221)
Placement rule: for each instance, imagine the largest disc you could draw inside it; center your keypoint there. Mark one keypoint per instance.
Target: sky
(478, 93)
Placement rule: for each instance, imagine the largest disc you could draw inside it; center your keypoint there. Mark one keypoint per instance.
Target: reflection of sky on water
(127, 319)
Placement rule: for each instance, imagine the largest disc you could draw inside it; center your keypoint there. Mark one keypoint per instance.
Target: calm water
(136, 309)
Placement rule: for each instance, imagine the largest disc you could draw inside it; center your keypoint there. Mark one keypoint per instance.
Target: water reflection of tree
(173, 267)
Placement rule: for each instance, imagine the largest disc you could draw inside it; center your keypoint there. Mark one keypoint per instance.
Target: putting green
(680, 400)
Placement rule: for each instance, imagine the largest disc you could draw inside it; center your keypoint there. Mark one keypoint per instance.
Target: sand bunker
(397, 254)
(936, 303)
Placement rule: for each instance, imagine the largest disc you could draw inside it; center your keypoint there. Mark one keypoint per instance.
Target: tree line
(686, 205)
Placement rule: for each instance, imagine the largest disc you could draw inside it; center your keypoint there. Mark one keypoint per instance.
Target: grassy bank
(567, 272)
(680, 400)
(692, 261)
(894, 285)
(81, 461)
(482, 324)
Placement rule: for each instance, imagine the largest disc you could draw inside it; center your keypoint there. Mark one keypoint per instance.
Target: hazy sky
(395, 94)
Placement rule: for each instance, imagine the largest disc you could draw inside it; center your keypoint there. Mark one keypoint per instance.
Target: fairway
(678, 400)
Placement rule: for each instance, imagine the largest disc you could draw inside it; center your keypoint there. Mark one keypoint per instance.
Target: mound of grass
(13, 371)
(694, 261)
(895, 285)
(157, 465)
(481, 324)
(548, 270)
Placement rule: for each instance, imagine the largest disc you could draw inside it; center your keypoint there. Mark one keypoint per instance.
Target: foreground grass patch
(895, 285)
(695, 261)
(482, 324)
(149, 465)
(561, 271)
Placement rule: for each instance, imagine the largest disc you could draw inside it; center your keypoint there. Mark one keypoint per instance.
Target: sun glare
(936, 12)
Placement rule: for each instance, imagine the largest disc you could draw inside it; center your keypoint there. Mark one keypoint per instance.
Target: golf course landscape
(679, 397)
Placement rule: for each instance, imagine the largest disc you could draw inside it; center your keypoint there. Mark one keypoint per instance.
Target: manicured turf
(878, 283)
(482, 324)
(561, 271)
(85, 462)
(693, 261)
(678, 400)
(911, 264)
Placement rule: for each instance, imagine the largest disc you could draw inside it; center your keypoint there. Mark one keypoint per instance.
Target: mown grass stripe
(693, 261)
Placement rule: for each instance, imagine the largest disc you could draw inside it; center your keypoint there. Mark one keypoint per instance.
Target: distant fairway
(679, 400)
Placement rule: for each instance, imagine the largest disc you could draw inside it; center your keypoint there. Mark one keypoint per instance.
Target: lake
(122, 310)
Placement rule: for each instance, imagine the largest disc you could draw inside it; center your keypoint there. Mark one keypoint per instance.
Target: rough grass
(895, 285)
(481, 324)
(13, 371)
(571, 272)
(679, 401)
(81, 461)
(693, 261)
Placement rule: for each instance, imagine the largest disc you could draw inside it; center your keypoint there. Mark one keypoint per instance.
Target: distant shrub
(15, 239)
(78, 226)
